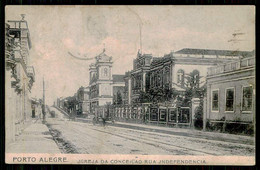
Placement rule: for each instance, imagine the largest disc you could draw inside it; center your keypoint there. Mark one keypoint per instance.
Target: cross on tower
(22, 15)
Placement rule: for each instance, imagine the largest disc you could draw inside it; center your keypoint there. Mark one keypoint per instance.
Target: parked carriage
(103, 115)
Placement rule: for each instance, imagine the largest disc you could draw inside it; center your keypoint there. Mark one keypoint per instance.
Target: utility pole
(43, 100)
(140, 27)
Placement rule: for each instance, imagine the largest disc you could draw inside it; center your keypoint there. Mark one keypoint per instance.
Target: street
(86, 138)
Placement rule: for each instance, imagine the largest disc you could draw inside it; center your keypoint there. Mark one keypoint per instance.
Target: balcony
(31, 73)
(244, 63)
(19, 29)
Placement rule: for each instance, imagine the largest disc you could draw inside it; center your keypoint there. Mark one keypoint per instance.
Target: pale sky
(83, 30)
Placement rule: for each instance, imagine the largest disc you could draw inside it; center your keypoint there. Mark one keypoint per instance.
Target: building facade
(173, 69)
(83, 101)
(231, 92)
(101, 80)
(19, 78)
(104, 88)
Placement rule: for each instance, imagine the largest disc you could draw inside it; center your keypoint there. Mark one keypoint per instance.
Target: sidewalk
(36, 138)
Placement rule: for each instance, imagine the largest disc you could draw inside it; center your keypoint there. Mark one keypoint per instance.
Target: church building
(102, 84)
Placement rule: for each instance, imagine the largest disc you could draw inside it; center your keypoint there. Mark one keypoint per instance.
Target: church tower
(101, 80)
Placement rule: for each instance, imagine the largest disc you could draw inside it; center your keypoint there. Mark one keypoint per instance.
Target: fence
(147, 113)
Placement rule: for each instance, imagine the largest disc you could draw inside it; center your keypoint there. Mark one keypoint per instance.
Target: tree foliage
(70, 103)
(164, 94)
(157, 95)
(199, 115)
(118, 100)
(192, 88)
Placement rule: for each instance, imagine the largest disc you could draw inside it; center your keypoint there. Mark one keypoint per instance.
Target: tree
(145, 97)
(170, 94)
(119, 99)
(192, 88)
(157, 95)
(193, 80)
(199, 116)
(70, 103)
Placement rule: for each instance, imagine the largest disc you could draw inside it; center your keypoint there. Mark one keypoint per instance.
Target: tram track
(180, 150)
(86, 132)
(99, 139)
(161, 136)
(190, 138)
(142, 140)
(229, 147)
(197, 135)
(194, 142)
(243, 142)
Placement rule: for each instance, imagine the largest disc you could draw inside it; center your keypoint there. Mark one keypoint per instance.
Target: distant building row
(228, 75)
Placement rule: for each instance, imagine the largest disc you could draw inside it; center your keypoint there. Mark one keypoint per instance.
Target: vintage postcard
(132, 85)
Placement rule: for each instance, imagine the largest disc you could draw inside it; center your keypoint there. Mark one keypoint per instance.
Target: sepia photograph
(130, 85)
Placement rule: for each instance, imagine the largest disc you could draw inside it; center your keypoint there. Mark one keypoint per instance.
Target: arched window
(138, 81)
(155, 79)
(152, 79)
(166, 75)
(134, 82)
(180, 77)
(158, 79)
(105, 72)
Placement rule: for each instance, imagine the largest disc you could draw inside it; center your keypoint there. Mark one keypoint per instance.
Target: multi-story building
(101, 80)
(83, 101)
(19, 77)
(103, 85)
(171, 70)
(138, 78)
(231, 92)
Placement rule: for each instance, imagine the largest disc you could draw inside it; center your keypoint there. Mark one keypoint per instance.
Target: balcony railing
(246, 62)
(22, 24)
